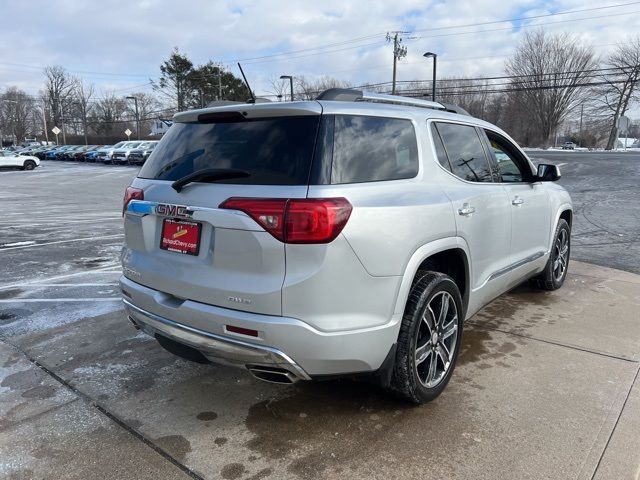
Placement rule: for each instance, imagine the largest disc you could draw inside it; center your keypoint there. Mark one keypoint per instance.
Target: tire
(422, 340)
(555, 271)
(29, 165)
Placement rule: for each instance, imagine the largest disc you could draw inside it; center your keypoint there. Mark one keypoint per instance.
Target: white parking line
(55, 300)
(57, 222)
(108, 270)
(86, 239)
(41, 285)
(562, 164)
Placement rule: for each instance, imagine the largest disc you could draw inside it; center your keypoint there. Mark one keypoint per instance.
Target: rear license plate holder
(180, 236)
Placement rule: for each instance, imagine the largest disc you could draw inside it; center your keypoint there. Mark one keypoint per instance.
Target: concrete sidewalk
(546, 387)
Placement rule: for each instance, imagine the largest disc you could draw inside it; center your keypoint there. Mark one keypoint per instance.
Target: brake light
(131, 193)
(296, 220)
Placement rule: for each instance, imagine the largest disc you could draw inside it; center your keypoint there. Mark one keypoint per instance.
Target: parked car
(82, 156)
(121, 155)
(397, 225)
(104, 154)
(9, 159)
(31, 150)
(75, 154)
(140, 154)
(569, 146)
(52, 154)
(67, 154)
(92, 155)
(41, 154)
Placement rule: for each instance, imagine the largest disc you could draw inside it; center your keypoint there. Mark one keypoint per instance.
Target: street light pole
(44, 120)
(581, 113)
(135, 101)
(433, 80)
(283, 77)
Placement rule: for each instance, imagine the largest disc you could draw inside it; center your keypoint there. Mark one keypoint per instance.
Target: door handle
(466, 210)
(517, 201)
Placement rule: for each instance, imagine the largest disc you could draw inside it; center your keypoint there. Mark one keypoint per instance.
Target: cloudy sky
(119, 44)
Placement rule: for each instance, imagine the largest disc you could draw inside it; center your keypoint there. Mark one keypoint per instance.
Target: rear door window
(273, 151)
(440, 151)
(372, 149)
(465, 152)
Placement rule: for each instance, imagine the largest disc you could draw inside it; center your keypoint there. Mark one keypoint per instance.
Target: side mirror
(548, 173)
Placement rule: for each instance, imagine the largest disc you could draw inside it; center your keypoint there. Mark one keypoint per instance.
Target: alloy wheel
(561, 255)
(436, 339)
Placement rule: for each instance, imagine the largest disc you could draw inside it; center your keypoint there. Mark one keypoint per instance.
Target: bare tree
(470, 94)
(278, 87)
(109, 114)
(149, 108)
(59, 89)
(551, 72)
(620, 89)
(306, 89)
(84, 91)
(16, 114)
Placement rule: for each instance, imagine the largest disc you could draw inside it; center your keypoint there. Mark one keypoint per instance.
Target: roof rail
(351, 95)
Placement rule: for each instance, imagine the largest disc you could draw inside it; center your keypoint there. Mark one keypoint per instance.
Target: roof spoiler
(352, 95)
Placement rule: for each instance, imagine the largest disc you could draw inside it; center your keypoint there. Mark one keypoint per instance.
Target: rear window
(274, 151)
(371, 149)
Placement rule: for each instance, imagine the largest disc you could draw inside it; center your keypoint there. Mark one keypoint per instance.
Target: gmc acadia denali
(349, 235)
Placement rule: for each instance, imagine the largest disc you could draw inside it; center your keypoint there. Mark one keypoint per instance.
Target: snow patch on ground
(17, 244)
(33, 317)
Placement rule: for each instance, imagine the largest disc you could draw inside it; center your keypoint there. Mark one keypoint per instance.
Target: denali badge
(239, 300)
(130, 272)
(168, 210)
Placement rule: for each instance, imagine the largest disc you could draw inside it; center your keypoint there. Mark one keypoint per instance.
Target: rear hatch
(178, 240)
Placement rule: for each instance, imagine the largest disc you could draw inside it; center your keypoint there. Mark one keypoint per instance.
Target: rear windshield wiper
(209, 174)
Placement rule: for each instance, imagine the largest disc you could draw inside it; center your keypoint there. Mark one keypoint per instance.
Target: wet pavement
(605, 189)
(546, 385)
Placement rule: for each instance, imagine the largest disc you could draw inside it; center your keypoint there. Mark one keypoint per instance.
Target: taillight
(296, 220)
(131, 193)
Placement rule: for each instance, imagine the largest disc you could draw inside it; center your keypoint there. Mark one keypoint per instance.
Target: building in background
(159, 127)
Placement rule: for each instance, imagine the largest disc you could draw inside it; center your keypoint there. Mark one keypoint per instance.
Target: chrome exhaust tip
(273, 374)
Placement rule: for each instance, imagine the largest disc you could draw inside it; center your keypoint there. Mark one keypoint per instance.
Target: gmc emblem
(168, 210)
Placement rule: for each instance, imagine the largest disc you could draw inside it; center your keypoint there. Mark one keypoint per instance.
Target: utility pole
(219, 81)
(135, 101)
(44, 120)
(581, 112)
(399, 51)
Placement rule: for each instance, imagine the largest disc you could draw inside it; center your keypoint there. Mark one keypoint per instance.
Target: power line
(531, 17)
(451, 27)
(542, 24)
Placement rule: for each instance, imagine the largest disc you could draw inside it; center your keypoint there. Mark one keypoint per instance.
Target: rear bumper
(215, 347)
(282, 341)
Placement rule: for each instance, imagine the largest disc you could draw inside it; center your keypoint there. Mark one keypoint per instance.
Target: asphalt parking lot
(546, 387)
(604, 189)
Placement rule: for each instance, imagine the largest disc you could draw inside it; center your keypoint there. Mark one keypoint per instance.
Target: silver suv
(349, 235)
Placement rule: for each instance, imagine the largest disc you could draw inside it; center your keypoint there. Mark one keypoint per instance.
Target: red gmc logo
(168, 210)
